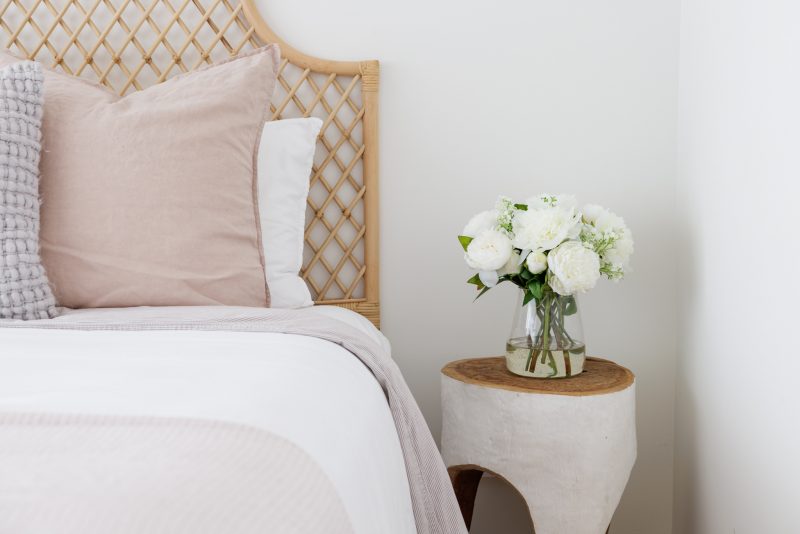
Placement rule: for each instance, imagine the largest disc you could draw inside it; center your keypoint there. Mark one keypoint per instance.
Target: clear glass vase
(546, 339)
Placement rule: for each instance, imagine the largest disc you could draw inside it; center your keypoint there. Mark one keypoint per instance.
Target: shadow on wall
(499, 509)
(685, 474)
(686, 448)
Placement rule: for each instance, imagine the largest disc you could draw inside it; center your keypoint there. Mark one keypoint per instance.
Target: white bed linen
(309, 391)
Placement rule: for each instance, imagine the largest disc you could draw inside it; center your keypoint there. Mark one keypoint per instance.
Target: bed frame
(128, 45)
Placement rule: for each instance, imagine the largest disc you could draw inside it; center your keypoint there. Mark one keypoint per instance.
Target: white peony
(619, 255)
(544, 229)
(609, 222)
(591, 212)
(512, 266)
(489, 278)
(485, 220)
(490, 250)
(606, 233)
(536, 262)
(573, 268)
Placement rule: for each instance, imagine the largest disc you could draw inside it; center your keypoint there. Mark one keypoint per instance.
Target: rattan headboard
(131, 44)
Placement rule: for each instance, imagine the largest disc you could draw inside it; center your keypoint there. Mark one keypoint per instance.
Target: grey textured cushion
(24, 289)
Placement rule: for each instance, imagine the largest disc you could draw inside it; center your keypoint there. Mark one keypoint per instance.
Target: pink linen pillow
(150, 199)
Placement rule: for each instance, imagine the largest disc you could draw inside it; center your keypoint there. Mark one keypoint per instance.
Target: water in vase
(562, 361)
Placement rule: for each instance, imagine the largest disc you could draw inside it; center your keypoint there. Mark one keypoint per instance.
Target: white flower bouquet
(552, 251)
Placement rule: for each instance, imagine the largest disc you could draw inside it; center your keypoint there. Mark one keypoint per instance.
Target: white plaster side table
(567, 446)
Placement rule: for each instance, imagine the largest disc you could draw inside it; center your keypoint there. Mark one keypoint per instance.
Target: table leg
(465, 484)
(465, 480)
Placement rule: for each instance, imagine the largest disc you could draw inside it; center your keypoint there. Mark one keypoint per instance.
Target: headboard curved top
(128, 45)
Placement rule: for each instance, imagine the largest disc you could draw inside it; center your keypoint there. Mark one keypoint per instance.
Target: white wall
(480, 98)
(738, 428)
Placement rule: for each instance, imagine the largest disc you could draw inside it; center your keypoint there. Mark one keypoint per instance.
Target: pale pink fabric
(149, 199)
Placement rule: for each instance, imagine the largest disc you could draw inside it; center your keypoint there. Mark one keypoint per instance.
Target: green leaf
(525, 274)
(535, 287)
(476, 280)
(521, 207)
(570, 306)
(484, 290)
(465, 241)
(528, 297)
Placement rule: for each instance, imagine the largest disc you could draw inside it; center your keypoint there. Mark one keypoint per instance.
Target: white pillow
(285, 158)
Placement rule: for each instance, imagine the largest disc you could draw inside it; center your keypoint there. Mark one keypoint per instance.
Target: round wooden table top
(599, 377)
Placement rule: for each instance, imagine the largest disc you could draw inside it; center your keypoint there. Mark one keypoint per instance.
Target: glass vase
(546, 339)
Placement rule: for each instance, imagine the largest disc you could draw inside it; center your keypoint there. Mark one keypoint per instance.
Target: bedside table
(566, 445)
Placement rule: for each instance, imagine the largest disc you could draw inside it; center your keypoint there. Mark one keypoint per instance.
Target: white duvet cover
(312, 392)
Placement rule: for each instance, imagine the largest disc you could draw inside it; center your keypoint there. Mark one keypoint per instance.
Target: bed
(219, 418)
(310, 392)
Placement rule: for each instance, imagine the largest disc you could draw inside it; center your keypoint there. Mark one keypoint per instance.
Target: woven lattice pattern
(335, 215)
(128, 45)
